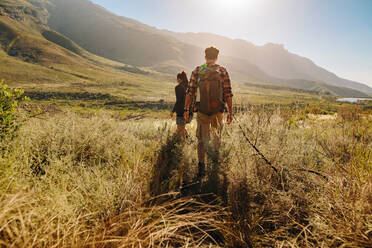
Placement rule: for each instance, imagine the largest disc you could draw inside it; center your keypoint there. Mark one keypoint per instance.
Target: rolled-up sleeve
(193, 84)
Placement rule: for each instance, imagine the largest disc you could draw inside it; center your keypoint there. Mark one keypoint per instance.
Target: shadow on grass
(39, 96)
(97, 100)
(168, 161)
(216, 182)
(171, 174)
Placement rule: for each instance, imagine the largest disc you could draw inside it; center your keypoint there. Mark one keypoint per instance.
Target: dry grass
(74, 181)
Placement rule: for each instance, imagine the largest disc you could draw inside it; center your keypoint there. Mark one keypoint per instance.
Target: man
(214, 86)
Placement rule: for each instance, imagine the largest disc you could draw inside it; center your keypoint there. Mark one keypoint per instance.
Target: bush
(9, 101)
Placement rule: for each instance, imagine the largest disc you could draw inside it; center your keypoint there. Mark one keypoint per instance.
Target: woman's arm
(175, 105)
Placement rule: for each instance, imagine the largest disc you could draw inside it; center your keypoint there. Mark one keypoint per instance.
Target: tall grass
(74, 181)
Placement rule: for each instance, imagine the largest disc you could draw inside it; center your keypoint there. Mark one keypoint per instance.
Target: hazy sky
(335, 34)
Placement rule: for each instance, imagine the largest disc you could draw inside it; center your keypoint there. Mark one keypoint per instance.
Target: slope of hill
(322, 88)
(271, 58)
(121, 39)
(37, 58)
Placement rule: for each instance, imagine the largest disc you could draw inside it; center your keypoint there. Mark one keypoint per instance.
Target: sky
(335, 34)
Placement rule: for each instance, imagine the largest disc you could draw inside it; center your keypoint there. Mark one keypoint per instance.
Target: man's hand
(171, 114)
(186, 115)
(229, 118)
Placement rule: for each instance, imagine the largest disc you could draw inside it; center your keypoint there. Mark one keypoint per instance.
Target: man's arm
(187, 102)
(191, 92)
(227, 94)
(187, 106)
(229, 106)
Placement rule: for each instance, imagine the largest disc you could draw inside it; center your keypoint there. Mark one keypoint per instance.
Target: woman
(178, 108)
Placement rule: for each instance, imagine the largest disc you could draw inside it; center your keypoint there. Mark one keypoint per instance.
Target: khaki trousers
(207, 125)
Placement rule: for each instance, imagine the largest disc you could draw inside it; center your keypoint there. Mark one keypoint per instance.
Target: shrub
(9, 101)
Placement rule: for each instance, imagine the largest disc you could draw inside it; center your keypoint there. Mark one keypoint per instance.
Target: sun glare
(238, 5)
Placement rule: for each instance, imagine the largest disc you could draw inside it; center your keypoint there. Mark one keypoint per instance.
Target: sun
(238, 5)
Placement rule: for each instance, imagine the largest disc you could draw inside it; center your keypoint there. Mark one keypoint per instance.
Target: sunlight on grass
(84, 181)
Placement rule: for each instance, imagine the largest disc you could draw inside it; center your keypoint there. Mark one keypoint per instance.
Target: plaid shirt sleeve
(226, 84)
(193, 84)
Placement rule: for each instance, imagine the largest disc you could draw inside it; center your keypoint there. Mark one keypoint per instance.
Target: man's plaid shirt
(225, 80)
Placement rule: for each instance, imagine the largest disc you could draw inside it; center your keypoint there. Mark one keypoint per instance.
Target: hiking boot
(201, 170)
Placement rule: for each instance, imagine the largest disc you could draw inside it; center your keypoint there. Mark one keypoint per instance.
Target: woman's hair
(183, 77)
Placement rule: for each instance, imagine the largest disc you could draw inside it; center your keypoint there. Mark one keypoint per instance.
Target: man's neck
(210, 62)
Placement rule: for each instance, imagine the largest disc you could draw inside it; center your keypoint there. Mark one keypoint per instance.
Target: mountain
(122, 39)
(273, 59)
(76, 39)
(34, 56)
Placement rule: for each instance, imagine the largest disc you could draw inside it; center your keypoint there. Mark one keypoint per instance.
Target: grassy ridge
(31, 61)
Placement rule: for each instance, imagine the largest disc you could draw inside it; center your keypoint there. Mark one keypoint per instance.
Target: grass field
(74, 179)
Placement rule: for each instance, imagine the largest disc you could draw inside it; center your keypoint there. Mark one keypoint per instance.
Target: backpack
(210, 90)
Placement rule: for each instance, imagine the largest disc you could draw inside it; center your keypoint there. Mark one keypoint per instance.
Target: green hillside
(37, 58)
